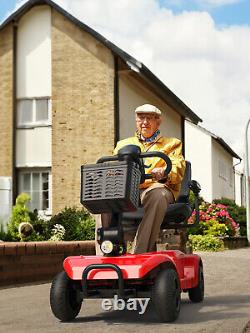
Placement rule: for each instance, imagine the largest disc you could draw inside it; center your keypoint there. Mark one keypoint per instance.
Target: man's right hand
(158, 173)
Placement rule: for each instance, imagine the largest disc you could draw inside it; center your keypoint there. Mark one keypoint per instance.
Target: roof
(139, 68)
(221, 142)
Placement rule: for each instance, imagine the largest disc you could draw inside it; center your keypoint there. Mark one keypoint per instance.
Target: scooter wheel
(64, 302)
(166, 295)
(196, 294)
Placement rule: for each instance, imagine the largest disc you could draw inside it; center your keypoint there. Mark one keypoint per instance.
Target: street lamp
(247, 182)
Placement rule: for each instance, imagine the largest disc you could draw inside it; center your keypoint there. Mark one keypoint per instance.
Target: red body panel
(136, 266)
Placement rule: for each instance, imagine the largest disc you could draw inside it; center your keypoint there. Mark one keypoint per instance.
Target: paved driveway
(226, 307)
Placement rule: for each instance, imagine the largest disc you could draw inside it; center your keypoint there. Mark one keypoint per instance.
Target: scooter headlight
(107, 246)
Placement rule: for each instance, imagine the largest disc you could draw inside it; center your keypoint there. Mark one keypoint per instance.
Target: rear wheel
(64, 300)
(166, 295)
(196, 294)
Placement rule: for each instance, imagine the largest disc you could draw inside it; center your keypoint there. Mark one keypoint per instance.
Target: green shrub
(215, 228)
(4, 236)
(40, 226)
(20, 213)
(206, 243)
(69, 224)
(78, 224)
(238, 213)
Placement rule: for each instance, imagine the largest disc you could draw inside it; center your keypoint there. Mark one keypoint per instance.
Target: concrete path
(226, 307)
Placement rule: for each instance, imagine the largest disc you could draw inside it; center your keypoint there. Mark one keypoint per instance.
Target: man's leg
(155, 202)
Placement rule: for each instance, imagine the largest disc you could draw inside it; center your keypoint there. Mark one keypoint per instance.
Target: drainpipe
(116, 103)
(183, 135)
(14, 77)
(235, 177)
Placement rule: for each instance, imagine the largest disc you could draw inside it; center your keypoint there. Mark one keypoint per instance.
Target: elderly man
(159, 192)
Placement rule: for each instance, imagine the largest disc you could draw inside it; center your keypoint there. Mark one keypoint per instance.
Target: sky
(199, 48)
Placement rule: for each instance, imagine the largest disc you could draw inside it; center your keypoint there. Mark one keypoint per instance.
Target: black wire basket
(110, 187)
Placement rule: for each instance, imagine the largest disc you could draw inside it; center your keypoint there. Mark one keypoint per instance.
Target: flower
(211, 214)
(58, 233)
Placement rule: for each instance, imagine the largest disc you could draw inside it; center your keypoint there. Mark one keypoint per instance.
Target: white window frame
(34, 122)
(30, 171)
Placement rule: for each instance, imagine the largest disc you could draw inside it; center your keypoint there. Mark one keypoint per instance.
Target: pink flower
(221, 206)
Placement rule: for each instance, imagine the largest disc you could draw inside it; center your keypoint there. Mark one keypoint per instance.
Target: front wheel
(64, 301)
(166, 295)
(196, 294)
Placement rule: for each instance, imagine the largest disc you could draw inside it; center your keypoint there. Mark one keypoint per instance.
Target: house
(67, 95)
(212, 162)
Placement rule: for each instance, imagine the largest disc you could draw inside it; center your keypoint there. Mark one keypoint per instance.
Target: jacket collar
(154, 138)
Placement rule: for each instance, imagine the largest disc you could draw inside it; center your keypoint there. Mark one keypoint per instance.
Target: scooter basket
(110, 187)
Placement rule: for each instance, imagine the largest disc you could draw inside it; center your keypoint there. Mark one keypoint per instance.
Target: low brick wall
(37, 261)
(235, 242)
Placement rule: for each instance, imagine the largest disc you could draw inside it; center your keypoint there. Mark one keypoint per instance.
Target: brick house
(67, 95)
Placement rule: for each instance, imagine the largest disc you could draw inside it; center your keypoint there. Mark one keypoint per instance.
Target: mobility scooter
(112, 186)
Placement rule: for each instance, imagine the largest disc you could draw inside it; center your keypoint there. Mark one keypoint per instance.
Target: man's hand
(158, 173)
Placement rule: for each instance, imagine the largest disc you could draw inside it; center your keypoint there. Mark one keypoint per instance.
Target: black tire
(196, 294)
(166, 295)
(63, 297)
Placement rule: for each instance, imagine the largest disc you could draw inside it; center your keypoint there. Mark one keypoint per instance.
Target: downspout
(14, 75)
(235, 179)
(183, 135)
(116, 102)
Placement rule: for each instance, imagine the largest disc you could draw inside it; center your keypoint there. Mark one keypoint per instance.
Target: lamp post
(247, 182)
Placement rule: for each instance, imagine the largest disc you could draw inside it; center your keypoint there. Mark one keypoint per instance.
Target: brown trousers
(155, 201)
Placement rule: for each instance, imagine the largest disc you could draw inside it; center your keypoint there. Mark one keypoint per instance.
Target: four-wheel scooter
(112, 186)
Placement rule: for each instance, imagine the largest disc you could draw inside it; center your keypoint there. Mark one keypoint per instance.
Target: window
(37, 184)
(33, 112)
(222, 170)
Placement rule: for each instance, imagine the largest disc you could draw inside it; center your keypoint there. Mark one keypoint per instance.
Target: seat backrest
(184, 192)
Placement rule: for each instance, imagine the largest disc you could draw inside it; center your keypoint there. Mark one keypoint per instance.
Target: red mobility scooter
(112, 186)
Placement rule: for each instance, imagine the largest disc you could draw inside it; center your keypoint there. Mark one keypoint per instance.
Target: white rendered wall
(33, 145)
(198, 152)
(5, 201)
(34, 53)
(133, 94)
(223, 185)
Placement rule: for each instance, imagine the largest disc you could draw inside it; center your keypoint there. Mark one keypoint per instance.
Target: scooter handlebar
(162, 156)
(142, 155)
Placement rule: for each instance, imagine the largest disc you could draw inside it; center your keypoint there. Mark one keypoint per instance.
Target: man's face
(147, 123)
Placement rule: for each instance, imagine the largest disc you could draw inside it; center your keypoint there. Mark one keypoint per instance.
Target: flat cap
(147, 108)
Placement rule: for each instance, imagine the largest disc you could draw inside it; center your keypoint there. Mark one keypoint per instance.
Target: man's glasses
(143, 118)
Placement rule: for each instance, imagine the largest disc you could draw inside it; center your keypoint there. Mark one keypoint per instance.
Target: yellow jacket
(169, 146)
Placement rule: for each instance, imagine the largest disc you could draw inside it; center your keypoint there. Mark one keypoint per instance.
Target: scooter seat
(176, 213)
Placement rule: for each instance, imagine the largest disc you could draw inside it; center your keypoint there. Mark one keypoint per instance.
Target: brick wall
(82, 107)
(6, 101)
(37, 261)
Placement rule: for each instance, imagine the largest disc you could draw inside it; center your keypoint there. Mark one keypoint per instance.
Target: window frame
(30, 171)
(34, 123)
